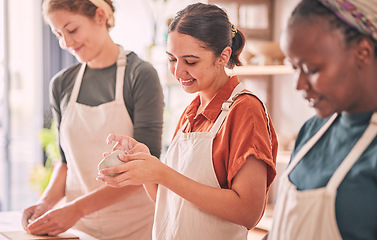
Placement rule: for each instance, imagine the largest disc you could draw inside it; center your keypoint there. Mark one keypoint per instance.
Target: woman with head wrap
(111, 90)
(329, 190)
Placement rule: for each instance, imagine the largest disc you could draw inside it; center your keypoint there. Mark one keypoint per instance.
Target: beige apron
(310, 214)
(83, 133)
(191, 155)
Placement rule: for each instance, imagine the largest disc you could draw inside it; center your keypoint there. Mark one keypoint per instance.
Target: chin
(189, 90)
(79, 59)
(323, 114)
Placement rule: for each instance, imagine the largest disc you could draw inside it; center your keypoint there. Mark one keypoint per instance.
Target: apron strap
(237, 91)
(179, 132)
(225, 108)
(77, 84)
(121, 68)
(309, 144)
(369, 134)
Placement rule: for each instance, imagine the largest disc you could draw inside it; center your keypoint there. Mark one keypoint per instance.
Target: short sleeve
(247, 132)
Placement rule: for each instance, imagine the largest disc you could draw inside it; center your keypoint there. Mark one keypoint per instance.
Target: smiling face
(194, 66)
(326, 67)
(80, 35)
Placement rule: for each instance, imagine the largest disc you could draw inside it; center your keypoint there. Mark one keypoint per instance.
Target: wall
(134, 21)
(25, 98)
(290, 109)
(134, 30)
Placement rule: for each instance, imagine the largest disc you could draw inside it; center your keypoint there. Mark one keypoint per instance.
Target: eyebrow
(184, 56)
(54, 30)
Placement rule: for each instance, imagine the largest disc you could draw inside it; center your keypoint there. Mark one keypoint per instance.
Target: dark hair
(210, 24)
(83, 7)
(313, 8)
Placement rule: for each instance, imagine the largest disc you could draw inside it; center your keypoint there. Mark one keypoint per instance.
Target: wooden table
(264, 225)
(11, 221)
(256, 234)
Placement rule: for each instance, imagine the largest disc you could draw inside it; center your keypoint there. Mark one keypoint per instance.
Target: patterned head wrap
(108, 11)
(360, 14)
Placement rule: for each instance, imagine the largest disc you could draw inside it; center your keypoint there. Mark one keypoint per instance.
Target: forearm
(223, 203)
(55, 190)
(242, 205)
(102, 198)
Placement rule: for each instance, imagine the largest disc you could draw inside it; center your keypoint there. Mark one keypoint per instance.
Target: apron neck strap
(302, 152)
(225, 108)
(77, 84)
(121, 68)
(369, 134)
(237, 91)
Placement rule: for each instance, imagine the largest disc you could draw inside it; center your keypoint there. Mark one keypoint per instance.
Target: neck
(366, 97)
(106, 57)
(209, 93)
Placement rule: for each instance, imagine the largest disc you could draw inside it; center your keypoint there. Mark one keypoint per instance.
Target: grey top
(142, 95)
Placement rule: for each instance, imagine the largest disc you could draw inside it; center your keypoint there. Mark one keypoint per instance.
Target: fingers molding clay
(110, 160)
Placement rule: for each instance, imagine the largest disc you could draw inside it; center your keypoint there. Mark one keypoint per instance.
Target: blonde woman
(112, 90)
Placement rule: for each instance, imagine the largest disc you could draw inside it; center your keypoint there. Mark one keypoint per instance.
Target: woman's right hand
(126, 144)
(34, 212)
(139, 168)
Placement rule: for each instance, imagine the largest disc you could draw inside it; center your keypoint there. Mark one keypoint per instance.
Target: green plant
(41, 173)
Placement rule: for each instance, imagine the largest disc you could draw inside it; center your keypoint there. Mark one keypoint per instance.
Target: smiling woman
(110, 90)
(203, 188)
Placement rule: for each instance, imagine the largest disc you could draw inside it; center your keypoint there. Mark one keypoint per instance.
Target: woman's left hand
(139, 168)
(55, 221)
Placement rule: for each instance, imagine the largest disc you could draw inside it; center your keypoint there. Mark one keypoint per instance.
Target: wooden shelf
(268, 70)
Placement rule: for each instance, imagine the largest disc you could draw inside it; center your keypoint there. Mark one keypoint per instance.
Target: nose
(178, 69)
(302, 82)
(65, 41)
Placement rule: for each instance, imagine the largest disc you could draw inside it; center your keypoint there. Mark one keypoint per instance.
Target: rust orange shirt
(244, 133)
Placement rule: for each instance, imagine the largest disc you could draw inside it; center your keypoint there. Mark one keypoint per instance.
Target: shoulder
(137, 64)
(307, 131)
(140, 72)
(65, 77)
(311, 126)
(248, 105)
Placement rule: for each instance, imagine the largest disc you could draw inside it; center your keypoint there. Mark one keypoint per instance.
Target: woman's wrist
(48, 202)
(165, 175)
(80, 207)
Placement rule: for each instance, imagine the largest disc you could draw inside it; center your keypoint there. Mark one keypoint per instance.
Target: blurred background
(30, 56)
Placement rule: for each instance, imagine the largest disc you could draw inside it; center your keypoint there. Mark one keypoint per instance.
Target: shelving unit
(264, 74)
(268, 70)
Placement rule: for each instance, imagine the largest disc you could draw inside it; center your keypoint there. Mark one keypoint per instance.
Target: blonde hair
(84, 7)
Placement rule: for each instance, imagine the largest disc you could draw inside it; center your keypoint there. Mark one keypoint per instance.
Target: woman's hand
(126, 144)
(139, 168)
(34, 212)
(55, 221)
